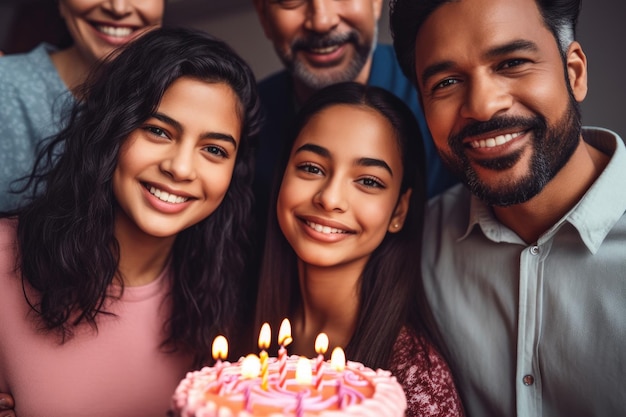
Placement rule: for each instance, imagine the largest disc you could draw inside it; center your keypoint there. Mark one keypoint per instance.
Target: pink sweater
(119, 371)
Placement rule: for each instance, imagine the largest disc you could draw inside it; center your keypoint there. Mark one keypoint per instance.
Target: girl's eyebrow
(323, 152)
(320, 150)
(208, 135)
(373, 162)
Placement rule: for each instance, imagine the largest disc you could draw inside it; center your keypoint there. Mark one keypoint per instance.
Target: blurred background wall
(601, 31)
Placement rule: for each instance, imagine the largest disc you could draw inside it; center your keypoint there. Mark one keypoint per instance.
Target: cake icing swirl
(223, 391)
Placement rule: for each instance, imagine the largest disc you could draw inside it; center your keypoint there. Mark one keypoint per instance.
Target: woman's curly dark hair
(68, 250)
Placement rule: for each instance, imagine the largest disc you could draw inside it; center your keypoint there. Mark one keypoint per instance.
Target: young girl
(344, 238)
(128, 260)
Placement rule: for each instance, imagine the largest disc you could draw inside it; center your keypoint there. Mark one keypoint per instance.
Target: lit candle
(321, 346)
(338, 359)
(338, 363)
(304, 373)
(284, 339)
(219, 350)
(250, 366)
(265, 338)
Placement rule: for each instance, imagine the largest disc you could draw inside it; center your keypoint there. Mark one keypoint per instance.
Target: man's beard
(319, 78)
(553, 147)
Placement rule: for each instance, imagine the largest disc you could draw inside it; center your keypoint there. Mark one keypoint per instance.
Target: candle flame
(220, 348)
(250, 366)
(265, 337)
(321, 343)
(304, 372)
(284, 333)
(338, 359)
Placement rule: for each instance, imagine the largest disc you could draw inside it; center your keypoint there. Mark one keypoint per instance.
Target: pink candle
(321, 346)
(284, 339)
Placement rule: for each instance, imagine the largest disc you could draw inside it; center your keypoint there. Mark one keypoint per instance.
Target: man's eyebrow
(507, 48)
(500, 50)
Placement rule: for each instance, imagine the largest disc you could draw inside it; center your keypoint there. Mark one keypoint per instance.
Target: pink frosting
(196, 395)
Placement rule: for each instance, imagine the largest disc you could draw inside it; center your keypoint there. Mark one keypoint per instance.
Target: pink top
(119, 371)
(425, 378)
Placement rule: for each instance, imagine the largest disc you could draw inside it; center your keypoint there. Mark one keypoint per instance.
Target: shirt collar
(594, 215)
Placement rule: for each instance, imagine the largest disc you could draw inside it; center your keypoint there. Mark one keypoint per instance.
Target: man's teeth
(167, 197)
(118, 32)
(496, 141)
(326, 50)
(324, 229)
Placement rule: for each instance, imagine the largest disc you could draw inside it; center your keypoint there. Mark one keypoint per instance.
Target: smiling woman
(40, 86)
(129, 257)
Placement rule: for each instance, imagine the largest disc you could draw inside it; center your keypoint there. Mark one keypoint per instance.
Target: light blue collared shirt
(534, 330)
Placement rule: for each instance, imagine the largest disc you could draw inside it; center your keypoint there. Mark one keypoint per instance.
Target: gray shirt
(534, 330)
(33, 100)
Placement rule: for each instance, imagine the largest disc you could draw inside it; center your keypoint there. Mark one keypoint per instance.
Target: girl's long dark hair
(69, 253)
(391, 293)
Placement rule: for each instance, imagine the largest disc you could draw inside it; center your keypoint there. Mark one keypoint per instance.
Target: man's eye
(511, 63)
(445, 83)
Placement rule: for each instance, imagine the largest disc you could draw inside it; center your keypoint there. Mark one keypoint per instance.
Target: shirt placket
(528, 376)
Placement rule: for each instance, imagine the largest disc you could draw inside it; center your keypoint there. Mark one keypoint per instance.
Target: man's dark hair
(408, 16)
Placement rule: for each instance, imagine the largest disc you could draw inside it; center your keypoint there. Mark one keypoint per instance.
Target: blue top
(534, 329)
(280, 106)
(33, 99)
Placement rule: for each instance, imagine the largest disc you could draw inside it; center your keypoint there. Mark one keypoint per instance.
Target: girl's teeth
(324, 229)
(167, 197)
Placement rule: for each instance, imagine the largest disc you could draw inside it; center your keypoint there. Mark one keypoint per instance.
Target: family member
(340, 254)
(38, 88)
(524, 264)
(320, 43)
(117, 276)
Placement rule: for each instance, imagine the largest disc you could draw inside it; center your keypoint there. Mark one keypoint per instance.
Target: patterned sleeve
(425, 377)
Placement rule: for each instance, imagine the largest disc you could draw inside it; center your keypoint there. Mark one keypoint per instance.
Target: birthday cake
(250, 387)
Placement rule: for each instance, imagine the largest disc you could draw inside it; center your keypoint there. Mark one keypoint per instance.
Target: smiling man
(524, 263)
(320, 43)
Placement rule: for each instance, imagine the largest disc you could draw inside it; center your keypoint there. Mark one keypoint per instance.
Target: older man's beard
(553, 147)
(319, 78)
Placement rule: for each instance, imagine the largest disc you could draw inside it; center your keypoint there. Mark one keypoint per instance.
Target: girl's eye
(157, 131)
(370, 182)
(310, 168)
(216, 150)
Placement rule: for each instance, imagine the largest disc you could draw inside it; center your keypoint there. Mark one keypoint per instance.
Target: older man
(320, 43)
(525, 265)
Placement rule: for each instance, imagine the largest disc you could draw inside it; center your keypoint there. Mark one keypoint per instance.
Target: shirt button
(534, 250)
(528, 380)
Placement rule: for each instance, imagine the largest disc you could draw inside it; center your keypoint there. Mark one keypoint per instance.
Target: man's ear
(261, 12)
(400, 212)
(577, 70)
